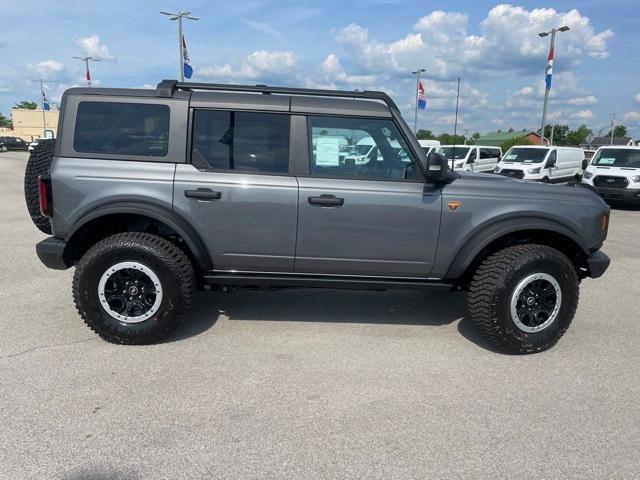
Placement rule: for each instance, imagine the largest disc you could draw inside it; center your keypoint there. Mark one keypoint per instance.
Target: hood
(502, 188)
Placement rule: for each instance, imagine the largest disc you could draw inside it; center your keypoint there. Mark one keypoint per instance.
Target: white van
(615, 173)
(538, 162)
(362, 152)
(473, 158)
(429, 145)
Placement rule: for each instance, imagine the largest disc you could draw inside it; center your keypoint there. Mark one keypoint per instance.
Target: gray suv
(152, 194)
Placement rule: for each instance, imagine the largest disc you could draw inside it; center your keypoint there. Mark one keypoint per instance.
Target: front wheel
(523, 298)
(3, 148)
(133, 288)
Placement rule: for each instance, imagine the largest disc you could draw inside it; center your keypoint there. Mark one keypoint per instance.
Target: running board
(321, 281)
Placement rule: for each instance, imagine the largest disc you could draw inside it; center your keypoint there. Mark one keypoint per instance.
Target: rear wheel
(133, 288)
(38, 164)
(3, 148)
(523, 298)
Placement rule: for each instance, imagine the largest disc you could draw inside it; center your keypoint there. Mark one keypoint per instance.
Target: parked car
(364, 151)
(12, 143)
(615, 173)
(472, 158)
(542, 163)
(153, 193)
(429, 145)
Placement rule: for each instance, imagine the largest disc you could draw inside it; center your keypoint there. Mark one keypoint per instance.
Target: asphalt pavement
(312, 384)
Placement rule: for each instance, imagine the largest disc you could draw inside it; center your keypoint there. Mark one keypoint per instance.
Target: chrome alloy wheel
(130, 292)
(535, 302)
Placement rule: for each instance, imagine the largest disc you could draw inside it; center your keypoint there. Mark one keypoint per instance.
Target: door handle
(203, 194)
(326, 201)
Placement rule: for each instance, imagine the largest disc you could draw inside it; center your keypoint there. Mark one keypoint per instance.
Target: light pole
(415, 118)
(179, 16)
(548, 72)
(86, 61)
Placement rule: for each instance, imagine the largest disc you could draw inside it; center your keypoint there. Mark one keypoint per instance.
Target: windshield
(617, 157)
(457, 153)
(526, 155)
(361, 149)
(346, 148)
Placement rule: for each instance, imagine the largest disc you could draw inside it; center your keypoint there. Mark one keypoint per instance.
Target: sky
(348, 44)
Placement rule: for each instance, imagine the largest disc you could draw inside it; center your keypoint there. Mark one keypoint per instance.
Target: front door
(237, 192)
(374, 219)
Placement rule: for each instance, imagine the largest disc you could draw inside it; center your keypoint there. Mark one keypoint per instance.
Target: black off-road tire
(494, 283)
(165, 259)
(38, 164)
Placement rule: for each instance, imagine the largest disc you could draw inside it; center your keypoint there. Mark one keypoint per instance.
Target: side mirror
(585, 164)
(438, 169)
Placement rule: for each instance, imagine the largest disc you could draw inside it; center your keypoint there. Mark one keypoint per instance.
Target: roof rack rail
(166, 88)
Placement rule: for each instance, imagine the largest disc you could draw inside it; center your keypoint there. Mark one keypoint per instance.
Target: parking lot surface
(306, 383)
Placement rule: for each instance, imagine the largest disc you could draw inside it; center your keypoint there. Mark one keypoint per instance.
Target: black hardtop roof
(367, 103)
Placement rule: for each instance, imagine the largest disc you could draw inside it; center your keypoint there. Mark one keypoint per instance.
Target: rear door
(237, 191)
(375, 219)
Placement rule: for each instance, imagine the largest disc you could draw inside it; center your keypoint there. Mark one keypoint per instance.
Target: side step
(242, 279)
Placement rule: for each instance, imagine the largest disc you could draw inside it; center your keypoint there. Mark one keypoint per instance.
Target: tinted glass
(241, 141)
(489, 153)
(456, 153)
(359, 148)
(122, 129)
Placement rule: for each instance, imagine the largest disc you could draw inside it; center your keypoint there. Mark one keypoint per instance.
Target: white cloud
(261, 64)
(92, 47)
(48, 70)
(336, 77)
(583, 115)
(508, 42)
(637, 98)
(584, 100)
(632, 117)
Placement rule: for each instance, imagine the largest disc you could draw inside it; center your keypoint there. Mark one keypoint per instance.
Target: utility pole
(548, 73)
(613, 125)
(86, 60)
(415, 118)
(44, 118)
(552, 129)
(179, 16)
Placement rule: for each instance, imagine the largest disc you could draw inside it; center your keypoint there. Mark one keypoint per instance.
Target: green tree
(560, 133)
(579, 135)
(27, 105)
(447, 139)
(425, 135)
(618, 131)
(5, 122)
(473, 139)
(507, 144)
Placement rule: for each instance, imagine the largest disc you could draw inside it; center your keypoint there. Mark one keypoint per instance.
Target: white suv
(615, 173)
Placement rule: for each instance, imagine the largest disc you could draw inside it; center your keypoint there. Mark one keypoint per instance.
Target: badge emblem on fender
(453, 205)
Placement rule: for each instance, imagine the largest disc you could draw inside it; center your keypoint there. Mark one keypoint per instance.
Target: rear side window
(241, 141)
(122, 129)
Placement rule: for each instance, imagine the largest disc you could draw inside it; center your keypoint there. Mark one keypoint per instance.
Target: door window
(489, 153)
(552, 159)
(472, 156)
(241, 141)
(359, 148)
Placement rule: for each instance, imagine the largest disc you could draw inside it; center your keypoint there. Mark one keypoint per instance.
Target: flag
(88, 76)
(45, 102)
(549, 70)
(422, 98)
(188, 71)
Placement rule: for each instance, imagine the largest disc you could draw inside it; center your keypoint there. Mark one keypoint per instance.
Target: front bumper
(623, 194)
(50, 251)
(597, 264)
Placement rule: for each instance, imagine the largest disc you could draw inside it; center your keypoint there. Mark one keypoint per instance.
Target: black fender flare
(479, 240)
(164, 215)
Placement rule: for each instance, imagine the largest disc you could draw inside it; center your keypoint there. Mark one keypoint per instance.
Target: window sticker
(511, 156)
(327, 152)
(606, 161)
